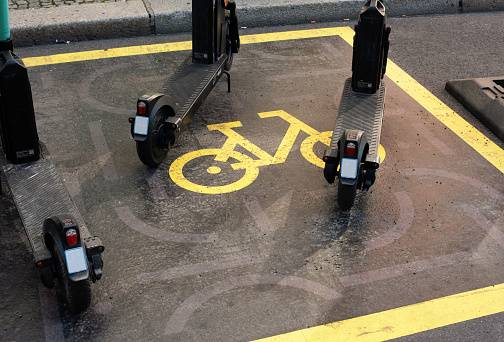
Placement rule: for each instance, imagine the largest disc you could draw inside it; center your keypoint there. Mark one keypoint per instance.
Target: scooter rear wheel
(152, 151)
(76, 294)
(229, 60)
(229, 49)
(346, 195)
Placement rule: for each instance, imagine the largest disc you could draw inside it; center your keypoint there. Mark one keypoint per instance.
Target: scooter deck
(363, 112)
(190, 85)
(39, 193)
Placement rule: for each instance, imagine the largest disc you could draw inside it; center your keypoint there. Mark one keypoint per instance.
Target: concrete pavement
(75, 21)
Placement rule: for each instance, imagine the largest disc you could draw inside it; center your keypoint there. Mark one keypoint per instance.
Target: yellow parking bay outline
(407, 320)
(388, 324)
(489, 150)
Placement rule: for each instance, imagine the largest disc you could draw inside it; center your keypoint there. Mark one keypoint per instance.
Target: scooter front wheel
(152, 151)
(346, 195)
(229, 48)
(76, 294)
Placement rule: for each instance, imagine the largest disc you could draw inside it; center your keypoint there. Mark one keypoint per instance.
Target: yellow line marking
(474, 138)
(407, 320)
(292, 35)
(171, 47)
(107, 53)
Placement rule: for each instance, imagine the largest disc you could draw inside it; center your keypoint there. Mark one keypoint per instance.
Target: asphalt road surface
(273, 253)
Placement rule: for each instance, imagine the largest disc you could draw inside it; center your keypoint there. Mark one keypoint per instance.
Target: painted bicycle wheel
(325, 137)
(204, 171)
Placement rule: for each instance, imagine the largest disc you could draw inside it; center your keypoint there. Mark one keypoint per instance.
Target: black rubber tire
(152, 151)
(46, 276)
(229, 60)
(77, 295)
(346, 196)
(229, 50)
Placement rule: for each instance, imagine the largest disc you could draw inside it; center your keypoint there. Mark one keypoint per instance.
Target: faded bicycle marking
(404, 269)
(53, 327)
(182, 314)
(487, 189)
(199, 268)
(135, 223)
(86, 87)
(495, 233)
(403, 224)
(104, 155)
(155, 185)
(85, 90)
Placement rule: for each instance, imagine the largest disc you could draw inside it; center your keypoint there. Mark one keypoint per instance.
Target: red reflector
(350, 149)
(142, 108)
(71, 237)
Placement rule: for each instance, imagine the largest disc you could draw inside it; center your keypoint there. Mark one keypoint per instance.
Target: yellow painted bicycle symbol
(245, 162)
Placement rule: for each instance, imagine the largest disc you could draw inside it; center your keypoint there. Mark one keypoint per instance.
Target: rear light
(142, 108)
(71, 237)
(350, 148)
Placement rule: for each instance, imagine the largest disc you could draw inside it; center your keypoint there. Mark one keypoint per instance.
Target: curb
(79, 22)
(141, 18)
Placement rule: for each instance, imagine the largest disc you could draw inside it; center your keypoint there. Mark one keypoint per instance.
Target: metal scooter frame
(162, 116)
(360, 115)
(42, 200)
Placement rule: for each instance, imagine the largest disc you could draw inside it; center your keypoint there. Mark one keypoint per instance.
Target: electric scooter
(353, 153)
(62, 246)
(162, 116)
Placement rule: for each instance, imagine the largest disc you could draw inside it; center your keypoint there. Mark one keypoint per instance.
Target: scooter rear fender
(54, 230)
(358, 137)
(154, 103)
(331, 160)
